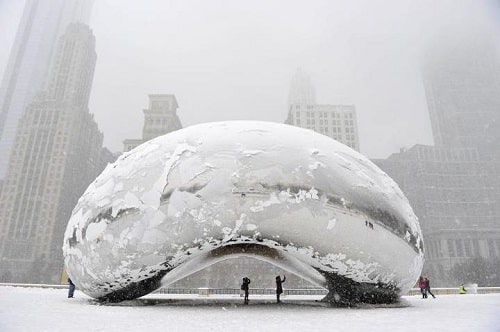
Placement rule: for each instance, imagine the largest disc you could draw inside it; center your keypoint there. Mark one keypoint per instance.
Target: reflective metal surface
(293, 197)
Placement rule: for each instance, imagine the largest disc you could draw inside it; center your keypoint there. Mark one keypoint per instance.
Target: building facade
(41, 25)
(159, 119)
(455, 195)
(57, 153)
(336, 121)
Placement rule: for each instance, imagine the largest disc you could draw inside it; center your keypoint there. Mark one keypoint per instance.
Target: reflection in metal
(210, 192)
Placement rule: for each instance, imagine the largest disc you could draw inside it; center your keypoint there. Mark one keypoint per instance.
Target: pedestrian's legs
(278, 297)
(429, 291)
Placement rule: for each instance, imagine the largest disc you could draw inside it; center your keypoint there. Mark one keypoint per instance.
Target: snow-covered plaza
(38, 309)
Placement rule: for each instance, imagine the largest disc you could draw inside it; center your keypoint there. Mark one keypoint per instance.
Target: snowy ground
(35, 309)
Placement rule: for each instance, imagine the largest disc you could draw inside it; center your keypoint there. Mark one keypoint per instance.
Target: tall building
(301, 91)
(159, 119)
(456, 197)
(336, 121)
(462, 84)
(42, 23)
(454, 187)
(57, 153)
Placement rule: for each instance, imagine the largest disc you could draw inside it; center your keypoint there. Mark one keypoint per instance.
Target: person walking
(71, 290)
(421, 285)
(279, 287)
(428, 287)
(244, 287)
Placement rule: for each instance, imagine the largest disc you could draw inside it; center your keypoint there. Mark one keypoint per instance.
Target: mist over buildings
(235, 60)
(419, 77)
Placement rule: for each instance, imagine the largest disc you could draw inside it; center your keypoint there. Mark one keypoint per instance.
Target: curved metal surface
(331, 214)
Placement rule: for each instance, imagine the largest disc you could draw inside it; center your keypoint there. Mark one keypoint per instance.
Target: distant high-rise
(42, 23)
(462, 85)
(336, 121)
(159, 119)
(454, 187)
(57, 153)
(301, 90)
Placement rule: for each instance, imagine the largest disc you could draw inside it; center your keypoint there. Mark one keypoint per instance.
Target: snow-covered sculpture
(287, 195)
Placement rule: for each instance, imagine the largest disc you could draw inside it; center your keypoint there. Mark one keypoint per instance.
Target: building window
(491, 248)
(477, 250)
(467, 245)
(460, 249)
(451, 249)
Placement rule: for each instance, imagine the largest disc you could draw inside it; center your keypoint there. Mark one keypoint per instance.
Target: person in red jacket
(421, 285)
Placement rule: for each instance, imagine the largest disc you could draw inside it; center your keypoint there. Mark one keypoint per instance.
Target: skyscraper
(42, 23)
(301, 90)
(57, 153)
(462, 84)
(454, 186)
(159, 119)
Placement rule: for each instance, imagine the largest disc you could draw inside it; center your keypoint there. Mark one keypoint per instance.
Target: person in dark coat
(244, 287)
(279, 287)
(71, 290)
(428, 287)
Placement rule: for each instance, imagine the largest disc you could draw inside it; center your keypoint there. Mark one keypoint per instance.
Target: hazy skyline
(234, 60)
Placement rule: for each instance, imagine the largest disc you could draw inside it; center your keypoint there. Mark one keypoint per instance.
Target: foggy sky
(228, 60)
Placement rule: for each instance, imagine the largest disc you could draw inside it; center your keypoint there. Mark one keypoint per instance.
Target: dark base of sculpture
(134, 290)
(344, 292)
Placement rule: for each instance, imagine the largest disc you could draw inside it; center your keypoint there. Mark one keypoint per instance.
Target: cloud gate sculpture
(206, 193)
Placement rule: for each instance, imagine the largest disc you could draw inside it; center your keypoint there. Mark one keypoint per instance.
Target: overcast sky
(228, 60)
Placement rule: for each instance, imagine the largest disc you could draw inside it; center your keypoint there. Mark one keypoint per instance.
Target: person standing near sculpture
(244, 287)
(428, 287)
(71, 289)
(421, 285)
(279, 287)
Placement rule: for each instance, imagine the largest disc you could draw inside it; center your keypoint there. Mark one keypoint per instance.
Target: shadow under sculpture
(297, 199)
